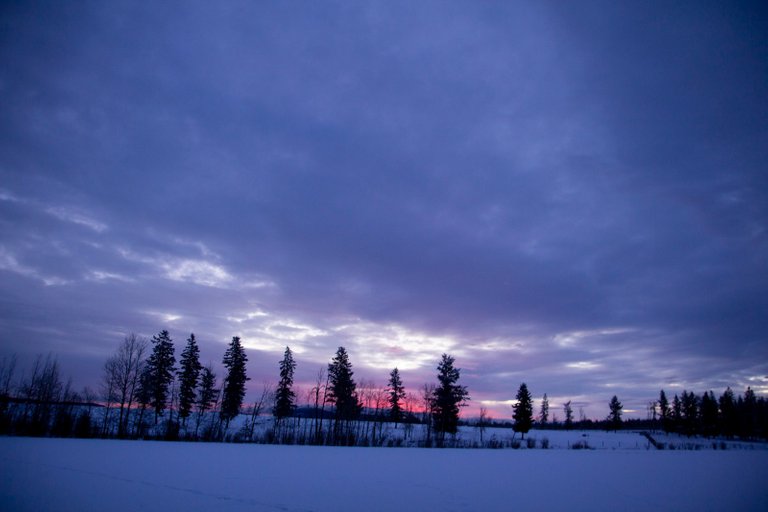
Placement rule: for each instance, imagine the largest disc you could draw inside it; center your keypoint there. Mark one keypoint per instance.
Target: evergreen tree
(690, 412)
(568, 411)
(206, 397)
(159, 373)
(614, 418)
(396, 394)
(728, 419)
(544, 411)
(677, 413)
(143, 397)
(664, 411)
(448, 396)
(284, 395)
(189, 375)
(342, 391)
(708, 414)
(234, 383)
(523, 410)
(747, 410)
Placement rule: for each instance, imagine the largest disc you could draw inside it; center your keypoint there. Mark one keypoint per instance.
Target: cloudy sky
(574, 195)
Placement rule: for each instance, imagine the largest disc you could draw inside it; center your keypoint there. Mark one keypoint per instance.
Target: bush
(544, 443)
(515, 443)
(530, 442)
(580, 445)
(495, 443)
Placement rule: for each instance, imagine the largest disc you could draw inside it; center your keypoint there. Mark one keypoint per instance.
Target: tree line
(727, 416)
(145, 394)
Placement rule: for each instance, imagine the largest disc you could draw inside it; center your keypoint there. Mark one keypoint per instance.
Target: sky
(571, 195)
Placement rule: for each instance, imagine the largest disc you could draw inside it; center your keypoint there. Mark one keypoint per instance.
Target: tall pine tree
(234, 383)
(207, 396)
(396, 394)
(614, 418)
(728, 413)
(708, 414)
(523, 410)
(284, 395)
(664, 411)
(189, 375)
(447, 397)
(544, 411)
(158, 373)
(690, 409)
(568, 411)
(342, 391)
(677, 413)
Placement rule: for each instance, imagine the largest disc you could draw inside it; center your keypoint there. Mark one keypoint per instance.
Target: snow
(88, 475)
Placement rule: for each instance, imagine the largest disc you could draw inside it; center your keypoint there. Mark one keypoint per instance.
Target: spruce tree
(189, 375)
(614, 418)
(677, 413)
(664, 411)
(448, 396)
(523, 410)
(159, 373)
(568, 410)
(746, 415)
(206, 398)
(690, 411)
(708, 414)
(342, 390)
(234, 383)
(728, 415)
(544, 411)
(396, 394)
(284, 395)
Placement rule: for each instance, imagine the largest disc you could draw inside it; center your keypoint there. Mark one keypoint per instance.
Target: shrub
(580, 445)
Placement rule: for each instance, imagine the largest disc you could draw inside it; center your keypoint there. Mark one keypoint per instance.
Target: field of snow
(88, 475)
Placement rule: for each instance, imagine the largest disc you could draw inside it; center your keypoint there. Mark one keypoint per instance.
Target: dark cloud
(406, 180)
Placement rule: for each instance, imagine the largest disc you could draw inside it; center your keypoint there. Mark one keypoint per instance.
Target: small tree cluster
(729, 416)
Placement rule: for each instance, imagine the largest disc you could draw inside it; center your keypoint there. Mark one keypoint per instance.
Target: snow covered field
(89, 475)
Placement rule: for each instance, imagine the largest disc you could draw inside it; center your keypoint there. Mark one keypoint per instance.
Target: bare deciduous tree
(482, 422)
(266, 397)
(121, 377)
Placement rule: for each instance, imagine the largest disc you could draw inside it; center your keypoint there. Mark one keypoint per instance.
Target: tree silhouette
(342, 389)
(284, 395)
(690, 411)
(728, 417)
(448, 397)
(664, 411)
(396, 394)
(614, 417)
(189, 374)
(206, 398)
(568, 410)
(159, 373)
(708, 408)
(544, 411)
(523, 410)
(234, 383)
